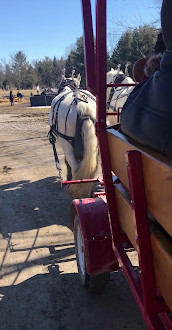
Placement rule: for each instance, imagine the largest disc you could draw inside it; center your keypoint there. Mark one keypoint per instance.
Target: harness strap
(57, 133)
(88, 95)
(110, 96)
(121, 96)
(52, 140)
(119, 78)
(68, 112)
(79, 99)
(56, 119)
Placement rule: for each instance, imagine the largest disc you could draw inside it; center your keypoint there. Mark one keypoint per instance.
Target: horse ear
(78, 79)
(73, 75)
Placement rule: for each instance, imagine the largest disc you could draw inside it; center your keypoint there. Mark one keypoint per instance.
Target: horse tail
(87, 164)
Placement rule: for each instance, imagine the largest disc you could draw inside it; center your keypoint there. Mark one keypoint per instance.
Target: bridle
(67, 82)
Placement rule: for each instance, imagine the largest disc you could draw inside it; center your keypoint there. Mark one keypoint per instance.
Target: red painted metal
(83, 181)
(117, 113)
(143, 287)
(167, 319)
(120, 85)
(101, 114)
(93, 218)
(89, 47)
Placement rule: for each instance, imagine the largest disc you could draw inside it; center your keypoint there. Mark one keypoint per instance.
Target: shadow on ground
(57, 301)
(53, 300)
(39, 204)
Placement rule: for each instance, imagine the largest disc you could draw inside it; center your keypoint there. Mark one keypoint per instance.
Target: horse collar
(119, 78)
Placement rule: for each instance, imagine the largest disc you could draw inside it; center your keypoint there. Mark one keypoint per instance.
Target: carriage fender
(97, 240)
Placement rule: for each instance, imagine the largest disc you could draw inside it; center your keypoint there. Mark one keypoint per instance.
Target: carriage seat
(157, 176)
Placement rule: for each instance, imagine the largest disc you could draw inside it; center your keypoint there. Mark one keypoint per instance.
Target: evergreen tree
(29, 81)
(58, 66)
(134, 44)
(1, 75)
(8, 77)
(75, 61)
(20, 67)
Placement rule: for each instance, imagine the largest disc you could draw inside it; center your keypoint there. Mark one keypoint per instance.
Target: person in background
(37, 89)
(11, 98)
(19, 95)
(146, 116)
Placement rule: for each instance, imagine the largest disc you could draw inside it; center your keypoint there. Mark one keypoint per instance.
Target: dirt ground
(39, 286)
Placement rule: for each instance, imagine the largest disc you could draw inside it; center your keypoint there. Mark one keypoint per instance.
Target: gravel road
(39, 286)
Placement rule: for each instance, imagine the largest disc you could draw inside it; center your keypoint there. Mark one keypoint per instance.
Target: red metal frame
(89, 47)
(153, 309)
(84, 181)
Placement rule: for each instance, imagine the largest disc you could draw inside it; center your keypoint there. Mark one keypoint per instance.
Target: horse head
(76, 80)
(116, 96)
(112, 75)
(72, 82)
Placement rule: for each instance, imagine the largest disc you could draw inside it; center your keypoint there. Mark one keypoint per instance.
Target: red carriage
(135, 210)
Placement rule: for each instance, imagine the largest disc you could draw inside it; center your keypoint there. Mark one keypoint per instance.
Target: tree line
(133, 44)
(21, 74)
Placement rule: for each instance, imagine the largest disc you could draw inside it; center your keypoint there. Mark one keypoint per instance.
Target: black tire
(93, 283)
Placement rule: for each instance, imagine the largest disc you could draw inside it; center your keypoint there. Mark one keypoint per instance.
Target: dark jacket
(147, 114)
(11, 96)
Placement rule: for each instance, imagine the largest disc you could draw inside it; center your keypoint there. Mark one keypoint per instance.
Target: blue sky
(41, 28)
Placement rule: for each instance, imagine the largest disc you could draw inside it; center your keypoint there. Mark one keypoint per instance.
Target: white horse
(116, 97)
(72, 118)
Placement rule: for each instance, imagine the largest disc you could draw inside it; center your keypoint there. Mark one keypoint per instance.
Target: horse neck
(110, 78)
(65, 90)
(128, 80)
(112, 74)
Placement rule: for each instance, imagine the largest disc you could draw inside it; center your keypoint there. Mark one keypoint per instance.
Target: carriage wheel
(93, 283)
